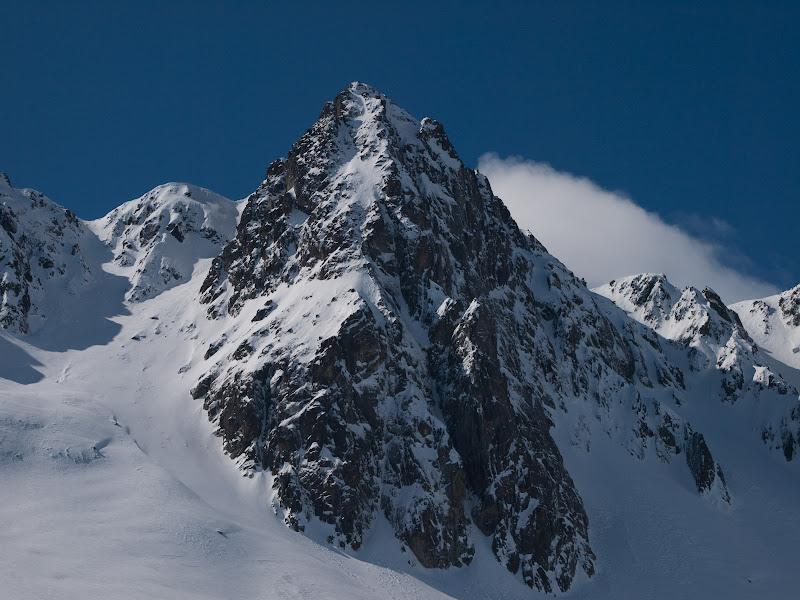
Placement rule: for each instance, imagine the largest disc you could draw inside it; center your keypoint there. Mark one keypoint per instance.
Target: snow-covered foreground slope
(113, 484)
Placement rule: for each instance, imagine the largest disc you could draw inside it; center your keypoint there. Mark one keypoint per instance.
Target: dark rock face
(396, 345)
(785, 435)
(700, 462)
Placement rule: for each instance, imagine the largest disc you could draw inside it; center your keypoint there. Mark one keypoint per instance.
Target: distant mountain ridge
(717, 339)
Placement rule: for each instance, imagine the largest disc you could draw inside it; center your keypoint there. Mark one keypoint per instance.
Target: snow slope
(774, 323)
(114, 485)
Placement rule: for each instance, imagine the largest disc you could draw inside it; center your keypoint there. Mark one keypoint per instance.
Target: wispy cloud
(603, 235)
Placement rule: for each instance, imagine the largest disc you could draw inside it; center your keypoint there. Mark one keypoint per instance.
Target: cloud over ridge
(602, 235)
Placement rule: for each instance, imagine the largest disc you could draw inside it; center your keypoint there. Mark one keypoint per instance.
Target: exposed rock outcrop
(40, 252)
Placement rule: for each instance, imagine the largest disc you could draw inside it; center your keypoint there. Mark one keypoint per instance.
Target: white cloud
(603, 235)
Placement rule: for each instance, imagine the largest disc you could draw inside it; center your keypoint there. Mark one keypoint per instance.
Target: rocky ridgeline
(698, 320)
(716, 341)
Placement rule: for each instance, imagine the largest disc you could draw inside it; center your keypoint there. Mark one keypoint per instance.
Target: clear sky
(691, 112)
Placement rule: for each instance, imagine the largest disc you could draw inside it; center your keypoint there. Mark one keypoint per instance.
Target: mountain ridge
(378, 338)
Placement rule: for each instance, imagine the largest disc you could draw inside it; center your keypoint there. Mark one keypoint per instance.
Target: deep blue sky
(693, 112)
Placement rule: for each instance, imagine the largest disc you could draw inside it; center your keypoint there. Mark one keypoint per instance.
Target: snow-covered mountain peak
(173, 200)
(361, 302)
(774, 323)
(5, 182)
(379, 307)
(157, 238)
(397, 371)
(649, 297)
(365, 104)
(688, 316)
(367, 138)
(360, 103)
(359, 87)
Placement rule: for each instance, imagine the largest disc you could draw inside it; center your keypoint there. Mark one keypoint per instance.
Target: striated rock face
(394, 344)
(156, 239)
(40, 251)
